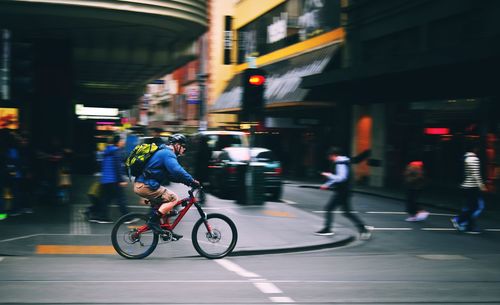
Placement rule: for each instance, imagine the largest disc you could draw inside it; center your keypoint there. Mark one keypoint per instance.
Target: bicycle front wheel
(214, 237)
(130, 239)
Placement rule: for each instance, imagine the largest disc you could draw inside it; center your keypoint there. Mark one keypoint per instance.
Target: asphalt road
(404, 263)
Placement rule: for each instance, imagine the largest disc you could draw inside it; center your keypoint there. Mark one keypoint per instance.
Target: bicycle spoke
(217, 243)
(129, 241)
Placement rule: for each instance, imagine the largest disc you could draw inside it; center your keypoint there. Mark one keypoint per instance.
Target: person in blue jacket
(112, 181)
(163, 166)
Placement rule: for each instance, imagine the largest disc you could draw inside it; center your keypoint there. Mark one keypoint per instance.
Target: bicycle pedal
(166, 236)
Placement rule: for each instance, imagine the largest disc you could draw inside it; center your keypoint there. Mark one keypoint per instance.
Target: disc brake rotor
(214, 236)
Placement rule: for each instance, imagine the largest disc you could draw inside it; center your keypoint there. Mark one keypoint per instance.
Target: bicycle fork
(203, 215)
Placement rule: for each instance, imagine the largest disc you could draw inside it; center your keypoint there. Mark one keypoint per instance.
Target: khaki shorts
(161, 195)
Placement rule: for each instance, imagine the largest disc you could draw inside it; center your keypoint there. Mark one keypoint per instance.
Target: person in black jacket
(340, 178)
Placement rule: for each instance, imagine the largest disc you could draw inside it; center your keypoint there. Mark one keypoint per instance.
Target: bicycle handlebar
(194, 188)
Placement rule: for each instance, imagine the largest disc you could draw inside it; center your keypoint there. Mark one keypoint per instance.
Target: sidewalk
(273, 227)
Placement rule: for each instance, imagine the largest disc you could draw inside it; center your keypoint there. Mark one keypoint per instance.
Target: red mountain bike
(214, 235)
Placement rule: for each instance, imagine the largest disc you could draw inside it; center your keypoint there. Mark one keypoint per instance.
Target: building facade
(419, 76)
(289, 40)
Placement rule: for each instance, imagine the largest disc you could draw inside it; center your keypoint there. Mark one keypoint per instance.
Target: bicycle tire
(222, 226)
(124, 241)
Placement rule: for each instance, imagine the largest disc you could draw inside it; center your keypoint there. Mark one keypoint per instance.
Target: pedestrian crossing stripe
(74, 249)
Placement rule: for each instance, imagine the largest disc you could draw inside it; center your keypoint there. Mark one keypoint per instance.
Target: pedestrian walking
(339, 178)
(112, 182)
(13, 174)
(94, 195)
(414, 180)
(472, 186)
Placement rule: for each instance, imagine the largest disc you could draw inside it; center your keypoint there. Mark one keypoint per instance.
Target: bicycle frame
(191, 200)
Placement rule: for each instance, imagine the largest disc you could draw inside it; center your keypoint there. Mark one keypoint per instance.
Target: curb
(331, 245)
(335, 244)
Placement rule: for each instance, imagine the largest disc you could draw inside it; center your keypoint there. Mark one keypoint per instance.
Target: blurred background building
(56, 54)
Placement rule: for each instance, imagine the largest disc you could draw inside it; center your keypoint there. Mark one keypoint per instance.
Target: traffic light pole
(202, 78)
(253, 82)
(202, 113)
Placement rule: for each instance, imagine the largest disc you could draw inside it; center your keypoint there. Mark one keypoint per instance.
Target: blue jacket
(111, 166)
(162, 166)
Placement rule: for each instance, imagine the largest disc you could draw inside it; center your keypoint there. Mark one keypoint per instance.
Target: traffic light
(252, 102)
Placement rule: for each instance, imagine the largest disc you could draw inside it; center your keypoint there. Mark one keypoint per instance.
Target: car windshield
(239, 155)
(219, 142)
(265, 156)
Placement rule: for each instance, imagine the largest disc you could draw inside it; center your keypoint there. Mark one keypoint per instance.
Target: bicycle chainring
(167, 236)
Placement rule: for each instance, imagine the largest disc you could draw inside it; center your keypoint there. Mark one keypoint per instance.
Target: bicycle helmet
(177, 138)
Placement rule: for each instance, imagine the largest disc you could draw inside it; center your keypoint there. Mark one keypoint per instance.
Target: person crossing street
(339, 177)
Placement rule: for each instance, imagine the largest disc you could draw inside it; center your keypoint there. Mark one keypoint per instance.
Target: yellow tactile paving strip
(74, 249)
(278, 213)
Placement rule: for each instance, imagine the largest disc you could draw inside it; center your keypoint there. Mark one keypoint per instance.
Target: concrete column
(52, 105)
(378, 162)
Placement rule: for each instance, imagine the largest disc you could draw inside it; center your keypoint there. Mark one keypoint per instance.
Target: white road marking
(47, 234)
(281, 300)
(387, 212)
(441, 257)
(20, 237)
(438, 229)
(235, 268)
(1, 258)
(266, 287)
(442, 214)
(492, 230)
(262, 284)
(222, 281)
(392, 229)
(335, 212)
(404, 213)
(288, 201)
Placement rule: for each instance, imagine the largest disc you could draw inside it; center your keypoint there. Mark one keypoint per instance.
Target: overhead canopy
(284, 79)
(117, 47)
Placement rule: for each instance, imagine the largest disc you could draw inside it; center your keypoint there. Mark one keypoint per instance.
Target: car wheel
(212, 184)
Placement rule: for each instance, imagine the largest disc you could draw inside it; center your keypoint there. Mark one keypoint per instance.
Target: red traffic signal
(256, 80)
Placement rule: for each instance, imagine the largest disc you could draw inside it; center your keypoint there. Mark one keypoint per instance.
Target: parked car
(205, 146)
(227, 171)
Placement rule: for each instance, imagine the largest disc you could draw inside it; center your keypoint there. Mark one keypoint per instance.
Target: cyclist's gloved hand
(195, 184)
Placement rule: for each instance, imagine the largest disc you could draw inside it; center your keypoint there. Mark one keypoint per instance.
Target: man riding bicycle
(162, 166)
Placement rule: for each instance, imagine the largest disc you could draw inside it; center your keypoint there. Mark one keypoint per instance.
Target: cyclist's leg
(166, 198)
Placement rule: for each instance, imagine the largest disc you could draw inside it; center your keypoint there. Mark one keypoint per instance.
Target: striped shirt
(472, 172)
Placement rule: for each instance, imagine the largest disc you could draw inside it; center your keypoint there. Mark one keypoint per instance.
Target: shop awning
(284, 78)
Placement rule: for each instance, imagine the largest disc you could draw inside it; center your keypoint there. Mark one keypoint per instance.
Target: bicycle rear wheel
(217, 242)
(127, 239)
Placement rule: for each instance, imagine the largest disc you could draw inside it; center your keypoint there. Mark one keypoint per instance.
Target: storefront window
(437, 132)
(289, 23)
